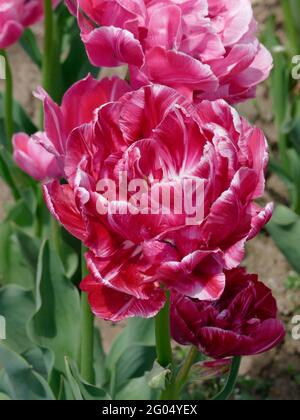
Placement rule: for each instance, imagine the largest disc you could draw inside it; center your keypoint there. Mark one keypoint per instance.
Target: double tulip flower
(169, 125)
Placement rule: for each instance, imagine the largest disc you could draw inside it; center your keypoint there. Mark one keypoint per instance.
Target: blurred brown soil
(280, 367)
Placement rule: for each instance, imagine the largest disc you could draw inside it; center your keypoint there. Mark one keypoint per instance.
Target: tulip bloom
(34, 159)
(154, 135)
(15, 16)
(207, 49)
(242, 322)
(78, 107)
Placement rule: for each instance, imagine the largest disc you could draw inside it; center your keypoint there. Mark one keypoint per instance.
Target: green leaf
(41, 359)
(74, 386)
(4, 397)
(19, 381)
(81, 389)
(20, 215)
(29, 246)
(284, 228)
(294, 159)
(132, 364)
(157, 377)
(99, 361)
(17, 306)
(55, 324)
(14, 267)
(138, 331)
(21, 120)
(26, 186)
(76, 65)
(135, 390)
(70, 261)
(29, 44)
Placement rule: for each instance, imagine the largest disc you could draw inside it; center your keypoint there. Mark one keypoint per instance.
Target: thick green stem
(231, 382)
(163, 335)
(48, 45)
(87, 333)
(164, 348)
(8, 100)
(185, 370)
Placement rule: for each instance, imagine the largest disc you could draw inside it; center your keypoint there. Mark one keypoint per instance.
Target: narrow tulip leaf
(19, 381)
(295, 6)
(100, 370)
(21, 120)
(74, 386)
(76, 65)
(133, 363)
(41, 359)
(55, 324)
(137, 331)
(81, 389)
(284, 228)
(294, 159)
(139, 335)
(137, 389)
(228, 390)
(30, 46)
(17, 306)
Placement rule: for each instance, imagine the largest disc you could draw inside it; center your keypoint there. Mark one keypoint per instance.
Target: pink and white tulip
(207, 49)
(156, 135)
(34, 159)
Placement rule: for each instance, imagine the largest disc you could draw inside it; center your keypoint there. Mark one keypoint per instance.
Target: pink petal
(199, 275)
(115, 306)
(111, 46)
(80, 102)
(179, 70)
(10, 33)
(34, 159)
(164, 28)
(60, 201)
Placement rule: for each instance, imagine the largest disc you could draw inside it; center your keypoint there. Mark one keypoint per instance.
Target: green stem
(48, 45)
(163, 335)
(48, 52)
(8, 101)
(87, 333)
(185, 369)
(164, 348)
(56, 236)
(231, 382)
(290, 26)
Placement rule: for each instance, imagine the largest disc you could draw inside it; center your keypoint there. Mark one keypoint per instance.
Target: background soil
(277, 372)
